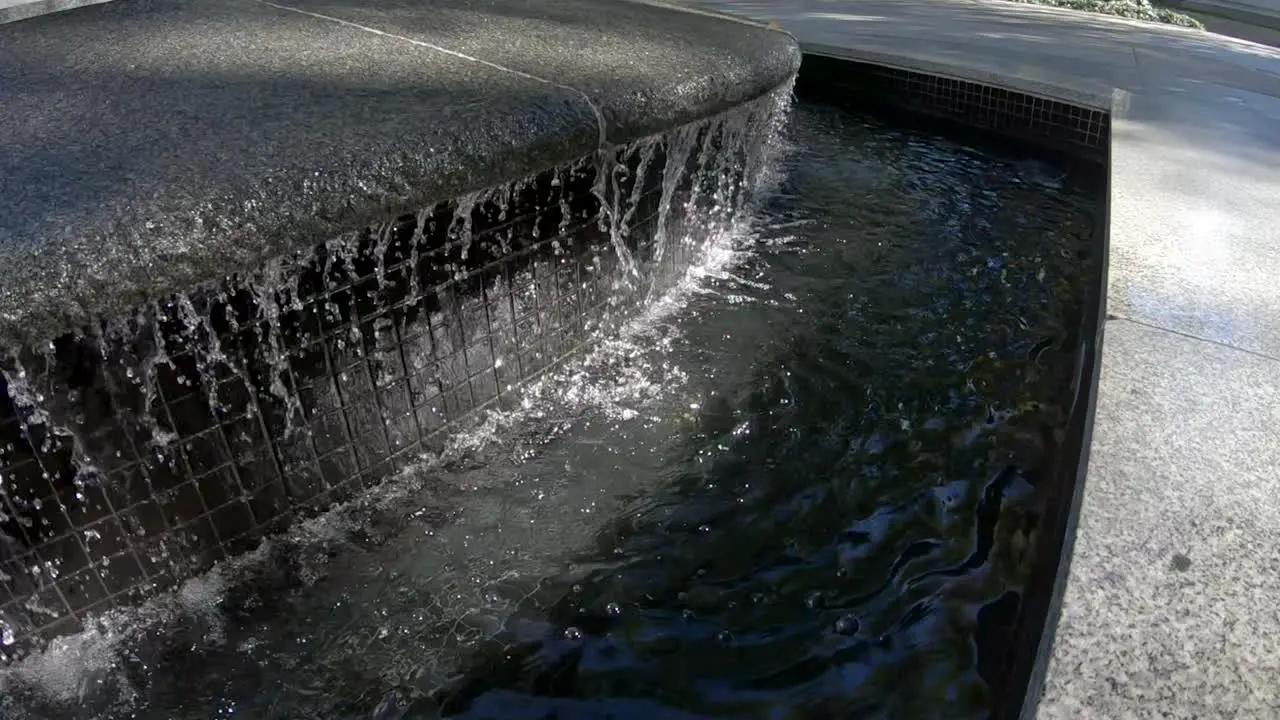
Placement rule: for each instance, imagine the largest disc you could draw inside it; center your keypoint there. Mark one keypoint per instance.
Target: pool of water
(800, 486)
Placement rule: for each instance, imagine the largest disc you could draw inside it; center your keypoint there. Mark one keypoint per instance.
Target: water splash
(293, 368)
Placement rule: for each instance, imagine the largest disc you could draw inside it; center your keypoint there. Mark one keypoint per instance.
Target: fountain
(189, 369)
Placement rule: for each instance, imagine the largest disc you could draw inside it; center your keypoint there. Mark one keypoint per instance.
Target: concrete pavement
(1262, 13)
(1169, 607)
(1238, 30)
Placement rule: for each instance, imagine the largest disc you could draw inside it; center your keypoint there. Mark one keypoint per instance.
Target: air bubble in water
(847, 625)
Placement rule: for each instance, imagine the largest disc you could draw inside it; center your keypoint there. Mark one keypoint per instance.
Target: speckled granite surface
(1170, 607)
(15, 10)
(148, 145)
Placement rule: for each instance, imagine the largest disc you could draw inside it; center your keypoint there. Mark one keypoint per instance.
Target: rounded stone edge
(776, 63)
(75, 297)
(80, 298)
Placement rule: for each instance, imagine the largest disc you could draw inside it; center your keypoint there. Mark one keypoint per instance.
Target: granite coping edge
(27, 9)
(1090, 378)
(87, 300)
(1116, 104)
(31, 325)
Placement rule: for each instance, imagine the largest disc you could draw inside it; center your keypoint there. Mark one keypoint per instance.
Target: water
(789, 489)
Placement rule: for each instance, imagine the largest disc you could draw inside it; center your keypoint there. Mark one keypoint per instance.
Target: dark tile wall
(187, 432)
(1007, 113)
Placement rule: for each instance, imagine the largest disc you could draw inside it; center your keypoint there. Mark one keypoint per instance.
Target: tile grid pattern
(1006, 111)
(1044, 121)
(289, 399)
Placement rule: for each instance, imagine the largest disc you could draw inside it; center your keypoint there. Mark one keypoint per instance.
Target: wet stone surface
(151, 146)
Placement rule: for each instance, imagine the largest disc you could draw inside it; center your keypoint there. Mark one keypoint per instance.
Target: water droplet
(847, 625)
(613, 609)
(572, 634)
(724, 636)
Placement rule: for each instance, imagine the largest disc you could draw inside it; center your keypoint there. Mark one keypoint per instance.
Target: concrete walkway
(1241, 31)
(1172, 607)
(1259, 13)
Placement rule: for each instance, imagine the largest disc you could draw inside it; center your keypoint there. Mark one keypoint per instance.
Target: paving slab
(1184, 460)
(1232, 28)
(1259, 13)
(1171, 608)
(1195, 247)
(150, 145)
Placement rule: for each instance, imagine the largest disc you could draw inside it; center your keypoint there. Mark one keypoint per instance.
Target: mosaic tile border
(1045, 122)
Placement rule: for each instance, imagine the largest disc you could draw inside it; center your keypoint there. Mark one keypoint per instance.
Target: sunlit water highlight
(787, 490)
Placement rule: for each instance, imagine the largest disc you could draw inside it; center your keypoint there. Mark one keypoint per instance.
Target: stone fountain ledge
(1169, 606)
(147, 146)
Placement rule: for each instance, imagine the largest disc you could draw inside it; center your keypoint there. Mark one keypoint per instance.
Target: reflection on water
(793, 490)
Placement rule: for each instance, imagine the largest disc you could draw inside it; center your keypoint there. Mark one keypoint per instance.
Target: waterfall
(180, 436)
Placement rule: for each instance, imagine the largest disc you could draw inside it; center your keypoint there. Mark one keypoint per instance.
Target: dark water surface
(798, 490)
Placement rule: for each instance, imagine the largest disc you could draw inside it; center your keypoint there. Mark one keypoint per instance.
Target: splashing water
(233, 348)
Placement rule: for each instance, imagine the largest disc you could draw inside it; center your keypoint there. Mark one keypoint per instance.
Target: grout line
(600, 123)
(1190, 336)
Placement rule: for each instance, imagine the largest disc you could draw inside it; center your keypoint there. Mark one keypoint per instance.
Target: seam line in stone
(1193, 336)
(600, 123)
